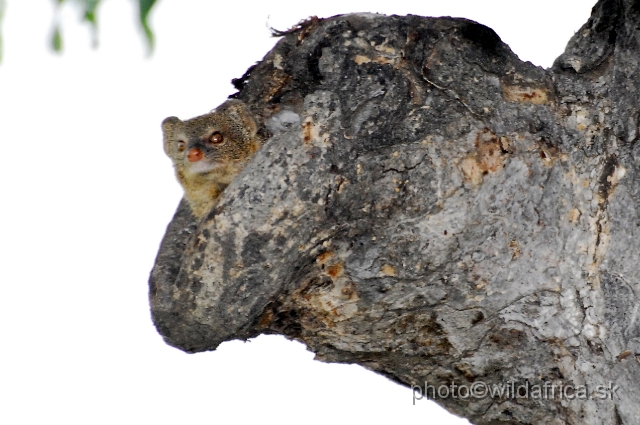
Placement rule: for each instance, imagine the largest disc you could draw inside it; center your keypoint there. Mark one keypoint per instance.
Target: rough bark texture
(434, 209)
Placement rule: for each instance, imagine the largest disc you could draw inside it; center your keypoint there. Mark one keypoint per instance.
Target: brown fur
(203, 181)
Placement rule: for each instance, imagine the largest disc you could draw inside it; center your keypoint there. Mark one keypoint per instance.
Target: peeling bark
(432, 208)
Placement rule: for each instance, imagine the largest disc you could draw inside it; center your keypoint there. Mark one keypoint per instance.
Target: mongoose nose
(194, 155)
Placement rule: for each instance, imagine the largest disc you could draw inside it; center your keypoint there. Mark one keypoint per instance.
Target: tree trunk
(432, 208)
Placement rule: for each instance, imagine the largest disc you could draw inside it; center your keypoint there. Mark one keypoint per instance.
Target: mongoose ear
(169, 123)
(240, 114)
(169, 126)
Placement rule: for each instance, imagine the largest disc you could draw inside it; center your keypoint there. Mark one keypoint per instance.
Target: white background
(86, 193)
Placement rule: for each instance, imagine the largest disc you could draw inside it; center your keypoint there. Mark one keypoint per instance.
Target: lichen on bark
(432, 208)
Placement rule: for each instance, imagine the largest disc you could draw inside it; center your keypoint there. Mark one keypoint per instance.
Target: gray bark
(432, 208)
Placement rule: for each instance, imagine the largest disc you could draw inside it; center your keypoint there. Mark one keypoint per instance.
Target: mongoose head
(210, 150)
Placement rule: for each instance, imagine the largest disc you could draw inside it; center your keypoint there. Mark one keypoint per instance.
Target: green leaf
(90, 7)
(145, 8)
(56, 40)
(56, 36)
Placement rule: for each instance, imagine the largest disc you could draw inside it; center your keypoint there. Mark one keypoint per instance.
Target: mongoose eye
(216, 138)
(181, 146)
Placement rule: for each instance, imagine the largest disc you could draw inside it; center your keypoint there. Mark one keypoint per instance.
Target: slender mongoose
(209, 151)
